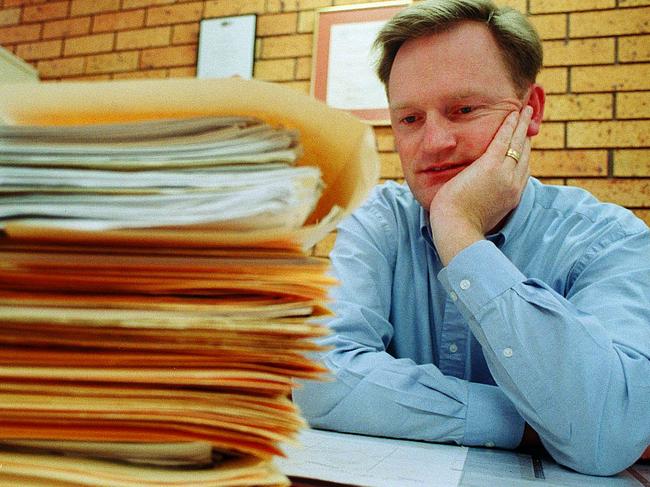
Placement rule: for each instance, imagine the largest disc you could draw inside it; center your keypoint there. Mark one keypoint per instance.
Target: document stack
(156, 292)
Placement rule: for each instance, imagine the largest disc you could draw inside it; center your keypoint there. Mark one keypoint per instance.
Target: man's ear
(536, 99)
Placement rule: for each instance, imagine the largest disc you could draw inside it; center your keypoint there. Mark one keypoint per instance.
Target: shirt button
(507, 352)
(489, 444)
(465, 284)
(453, 296)
(453, 348)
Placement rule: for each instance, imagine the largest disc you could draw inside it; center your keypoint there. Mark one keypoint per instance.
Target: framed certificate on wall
(343, 74)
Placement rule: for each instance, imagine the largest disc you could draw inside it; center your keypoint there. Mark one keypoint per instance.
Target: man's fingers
(511, 135)
(502, 138)
(518, 140)
(522, 169)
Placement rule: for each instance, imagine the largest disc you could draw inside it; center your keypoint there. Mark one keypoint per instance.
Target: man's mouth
(444, 167)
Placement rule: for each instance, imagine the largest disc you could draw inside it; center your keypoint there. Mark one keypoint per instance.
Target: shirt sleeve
(576, 365)
(374, 393)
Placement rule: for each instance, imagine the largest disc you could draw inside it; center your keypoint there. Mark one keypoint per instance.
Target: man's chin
(425, 196)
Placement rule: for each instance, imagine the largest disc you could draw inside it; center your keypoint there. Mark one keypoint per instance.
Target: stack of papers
(221, 172)
(156, 292)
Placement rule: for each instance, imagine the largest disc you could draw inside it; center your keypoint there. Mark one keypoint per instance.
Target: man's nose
(439, 134)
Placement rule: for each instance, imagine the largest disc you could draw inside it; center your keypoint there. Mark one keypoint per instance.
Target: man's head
(518, 42)
(451, 82)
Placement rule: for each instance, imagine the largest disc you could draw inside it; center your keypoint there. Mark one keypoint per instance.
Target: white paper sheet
(373, 462)
(382, 462)
(351, 81)
(502, 468)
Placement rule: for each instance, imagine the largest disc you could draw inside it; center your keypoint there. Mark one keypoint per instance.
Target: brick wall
(597, 70)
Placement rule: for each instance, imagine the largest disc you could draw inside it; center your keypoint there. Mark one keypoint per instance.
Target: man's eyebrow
(399, 106)
(470, 94)
(465, 95)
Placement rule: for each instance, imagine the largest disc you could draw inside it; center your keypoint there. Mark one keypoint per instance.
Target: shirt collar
(515, 222)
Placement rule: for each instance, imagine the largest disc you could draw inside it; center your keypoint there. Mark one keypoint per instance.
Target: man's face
(449, 93)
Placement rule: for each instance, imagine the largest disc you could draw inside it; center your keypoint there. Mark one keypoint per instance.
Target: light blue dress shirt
(545, 322)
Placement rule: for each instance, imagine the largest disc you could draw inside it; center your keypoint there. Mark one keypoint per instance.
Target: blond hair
(520, 46)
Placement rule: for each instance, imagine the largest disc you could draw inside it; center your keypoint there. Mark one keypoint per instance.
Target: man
(477, 305)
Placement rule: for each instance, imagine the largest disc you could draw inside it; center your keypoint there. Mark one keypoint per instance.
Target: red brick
(551, 136)
(148, 74)
(66, 28)
(306, 21)
(634, 104)
(287, 46)
(127, 4)
(634, 48)
(632, 163)
(20, 3)
(620, 77)
(10, 16)
(552, 26)
(46, 11)
(85, 7)
(221, 8)
(615, 134)
(185, 33)
(168, 57)
(610, 22)
(182, 72)
(142, 38)
(554, 80)
(633, 3)
(20, 33)
(391, 166)
(384, 138)
(579, 52)
(579, 107)
(39, 50)
(175, 14)
(58, 68)
(130, 19)
(547, 6)
(275, 69)
(112, 63)
(269, 25)
(576, 163)
(303, 68)
(90, 44)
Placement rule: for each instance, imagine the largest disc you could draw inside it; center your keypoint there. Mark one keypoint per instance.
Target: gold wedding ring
(514, 154)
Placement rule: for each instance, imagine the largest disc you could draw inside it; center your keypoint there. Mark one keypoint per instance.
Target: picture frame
(226, 47)
(343, 73)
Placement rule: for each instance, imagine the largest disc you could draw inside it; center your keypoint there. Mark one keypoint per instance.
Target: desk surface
(335, 459)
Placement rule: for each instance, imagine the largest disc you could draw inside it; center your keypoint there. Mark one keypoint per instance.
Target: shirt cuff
(478, 274)
(492, 419)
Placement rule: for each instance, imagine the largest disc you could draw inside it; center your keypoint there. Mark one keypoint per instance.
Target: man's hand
(482, 195)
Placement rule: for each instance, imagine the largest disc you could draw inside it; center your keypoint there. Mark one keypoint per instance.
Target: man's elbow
(316, 400)
(603, 458)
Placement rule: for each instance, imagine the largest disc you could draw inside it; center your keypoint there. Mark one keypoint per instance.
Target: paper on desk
(505, 468)
(382, 462)
(373, 462)
(339, 144)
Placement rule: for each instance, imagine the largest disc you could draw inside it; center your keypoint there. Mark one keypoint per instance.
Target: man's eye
(409, 119)
(466, 109)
